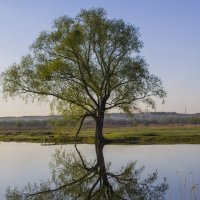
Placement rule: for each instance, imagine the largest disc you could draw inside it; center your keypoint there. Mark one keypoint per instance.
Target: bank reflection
(74, 177)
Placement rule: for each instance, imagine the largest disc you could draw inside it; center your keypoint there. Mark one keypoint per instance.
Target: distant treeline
(166, 119)
(25, 125)
(149, 119)
(114, 119)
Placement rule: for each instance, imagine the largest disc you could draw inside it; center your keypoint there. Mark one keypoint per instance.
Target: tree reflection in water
(73, 177)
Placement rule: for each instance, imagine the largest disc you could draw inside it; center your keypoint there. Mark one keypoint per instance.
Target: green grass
(156, 134)
(131, 135)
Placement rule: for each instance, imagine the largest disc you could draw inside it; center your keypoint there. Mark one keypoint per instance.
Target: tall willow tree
(87, 65)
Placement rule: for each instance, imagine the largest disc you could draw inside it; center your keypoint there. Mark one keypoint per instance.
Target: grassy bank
(128, 135)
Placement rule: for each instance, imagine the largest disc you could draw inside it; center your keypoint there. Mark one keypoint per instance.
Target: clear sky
(170, 31)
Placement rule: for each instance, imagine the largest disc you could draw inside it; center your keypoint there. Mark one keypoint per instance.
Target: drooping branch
(82, 118)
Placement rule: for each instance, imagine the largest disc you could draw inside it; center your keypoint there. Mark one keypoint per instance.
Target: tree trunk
(106, 186)
(99, 123)
(99, 127)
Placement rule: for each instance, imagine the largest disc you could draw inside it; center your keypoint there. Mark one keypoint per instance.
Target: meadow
(159, 134)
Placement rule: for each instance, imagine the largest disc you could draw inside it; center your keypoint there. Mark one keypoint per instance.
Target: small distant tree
(87, 65)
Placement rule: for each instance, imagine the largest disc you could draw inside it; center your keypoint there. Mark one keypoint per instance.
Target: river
(179, 164)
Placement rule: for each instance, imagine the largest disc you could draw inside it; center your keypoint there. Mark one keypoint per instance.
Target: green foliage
(84, 60)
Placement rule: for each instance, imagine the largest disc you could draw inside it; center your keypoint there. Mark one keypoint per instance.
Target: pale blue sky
(170, 31)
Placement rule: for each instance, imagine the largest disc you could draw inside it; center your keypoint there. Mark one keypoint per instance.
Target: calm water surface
(21, 163)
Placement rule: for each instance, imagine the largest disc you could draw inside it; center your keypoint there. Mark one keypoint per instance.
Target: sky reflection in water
(28, 162)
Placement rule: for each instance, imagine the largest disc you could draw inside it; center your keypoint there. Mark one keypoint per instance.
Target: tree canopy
(87, 65)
